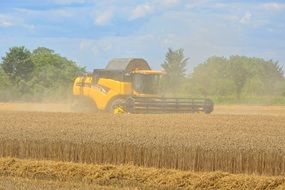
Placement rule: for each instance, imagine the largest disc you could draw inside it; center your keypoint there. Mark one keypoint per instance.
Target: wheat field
(45, 146)
(252, 144)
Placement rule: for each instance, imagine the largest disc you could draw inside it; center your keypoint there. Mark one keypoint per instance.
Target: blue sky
(91, 32)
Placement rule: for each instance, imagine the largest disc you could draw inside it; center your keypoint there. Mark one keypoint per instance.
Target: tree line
(236, 76)
(37, 75)
(43, 74)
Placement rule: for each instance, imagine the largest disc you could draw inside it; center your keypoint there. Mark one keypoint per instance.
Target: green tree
(239, 73)
(35, 76)
(175, 66)
(53, 74)
(211, 77)
(18, 64)
(4, 80)
(4, 85)
(237, 76)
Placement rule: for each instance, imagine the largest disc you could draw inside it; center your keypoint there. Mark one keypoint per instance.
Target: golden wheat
(250, 110)
(128, 176)
(196, 142)
(16, 183)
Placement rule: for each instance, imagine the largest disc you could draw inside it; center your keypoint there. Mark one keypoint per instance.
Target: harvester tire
(117, 106)
(209, 108)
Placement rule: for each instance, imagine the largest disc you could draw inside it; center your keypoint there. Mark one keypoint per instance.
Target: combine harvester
(130, 86)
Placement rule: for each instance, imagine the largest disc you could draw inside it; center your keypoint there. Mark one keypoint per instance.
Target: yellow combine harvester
(130, 86)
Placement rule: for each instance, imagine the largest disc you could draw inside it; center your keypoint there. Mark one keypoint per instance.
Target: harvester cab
(129, 85)
(145, 82)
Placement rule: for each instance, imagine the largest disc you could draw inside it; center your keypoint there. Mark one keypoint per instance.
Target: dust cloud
(36, 107)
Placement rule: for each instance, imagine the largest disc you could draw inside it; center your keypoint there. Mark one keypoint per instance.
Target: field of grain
(250, 110)
(194, 142)
(228, 149)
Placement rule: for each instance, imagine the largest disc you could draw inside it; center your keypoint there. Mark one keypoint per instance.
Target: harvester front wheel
(209, 106)
(118, 106)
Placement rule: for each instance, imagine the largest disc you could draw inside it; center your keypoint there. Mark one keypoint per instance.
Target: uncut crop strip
(187, 158)
(187, 142)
